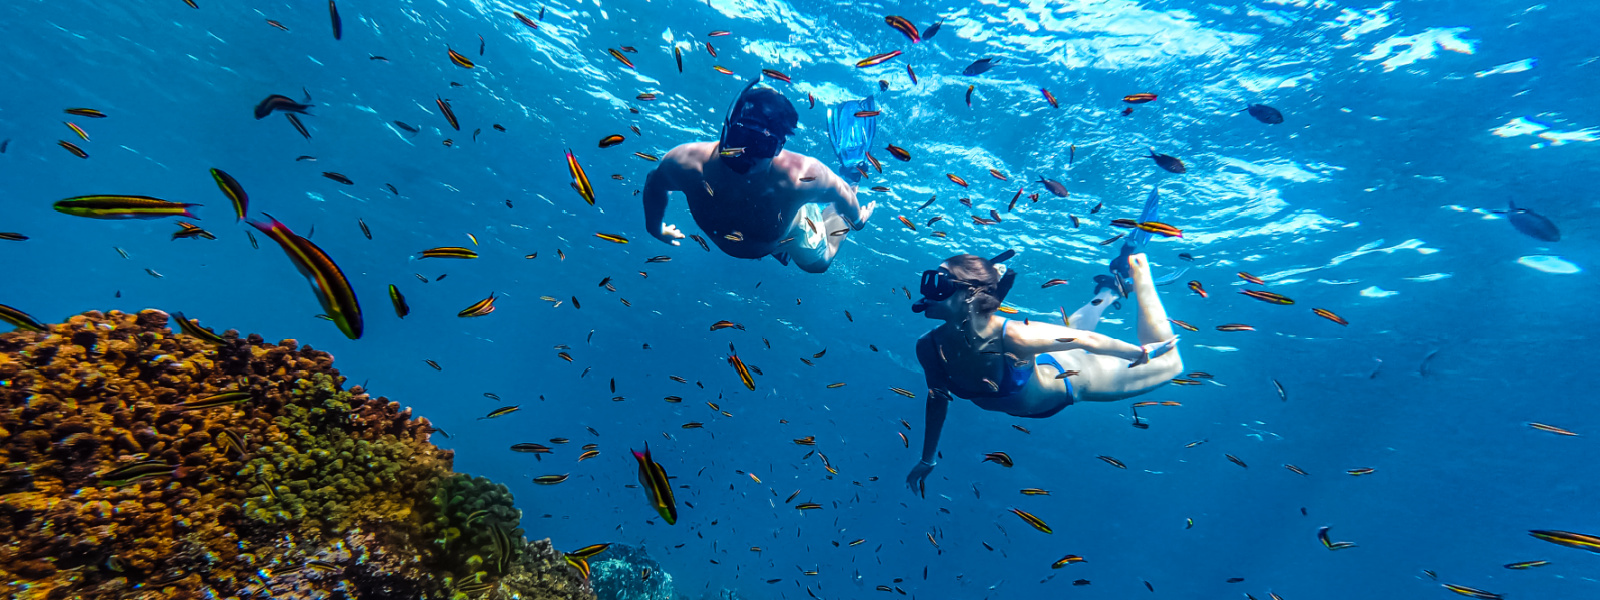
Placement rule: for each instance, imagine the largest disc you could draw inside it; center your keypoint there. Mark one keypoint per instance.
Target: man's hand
(669, 234)
(866, 212)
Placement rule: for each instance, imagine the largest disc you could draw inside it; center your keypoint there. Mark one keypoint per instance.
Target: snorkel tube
(999, 290)
(742, 154)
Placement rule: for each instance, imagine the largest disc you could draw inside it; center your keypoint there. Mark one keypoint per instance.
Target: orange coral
(331, 493)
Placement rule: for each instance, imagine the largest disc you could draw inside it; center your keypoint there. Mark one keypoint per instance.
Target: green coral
(318, 472)
(466, 509)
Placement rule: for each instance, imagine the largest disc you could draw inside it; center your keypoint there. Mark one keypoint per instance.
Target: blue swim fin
(1134, 244)
(852, 135)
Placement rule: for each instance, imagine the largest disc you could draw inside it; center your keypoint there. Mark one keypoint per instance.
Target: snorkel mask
(939, 284)
(746, 136)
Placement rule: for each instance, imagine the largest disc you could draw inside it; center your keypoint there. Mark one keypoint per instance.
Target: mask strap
(733, 109)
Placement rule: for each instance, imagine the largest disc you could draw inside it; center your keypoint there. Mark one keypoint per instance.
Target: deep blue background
(1365, 155)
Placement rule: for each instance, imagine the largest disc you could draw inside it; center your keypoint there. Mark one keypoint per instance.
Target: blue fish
(1265, 114)
(980, 66)
(1532, 224)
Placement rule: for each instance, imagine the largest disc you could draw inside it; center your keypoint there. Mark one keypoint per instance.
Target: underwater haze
(1410, 128)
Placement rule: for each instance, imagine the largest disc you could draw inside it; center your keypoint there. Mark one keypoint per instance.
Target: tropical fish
(524, 19)
(1067, 560)
(979, 67)
(550, 479)
(956, 179)
(776, 75)
(333, 15)
(1328, 314)
(932, 30)
(338, 177)
(1296, 470)
(1551, 429)
(903, 26)
(1198, 288)
(333, 290)
(912, 74)
(1050, 97)
(235, 193)
(1471, 592)
(1531, 224)
(1361, 471)
(876, 59)
(190, 230)
(657, 489)
(85, 112)
(191, 328)
(136, 472)
(478, 309)
(1028, 518)
(1235, 460)
(277, 102)
(969, 95)
(123, 207)
(743, 371)
(1171, 164)
(580, 180)
(401, 309)
(1055, 187)
(19, 319)
(1518, 566)
(1568, 539)
(1112, 461)
(1251, 278)
(459, 60)
(1138, 98)
(448, 252)
(449, 115)
(999, 458)
(1268, 297)
(1265, 114)
(84, 135)
(214, 401)
(500, 412)
(73, 148)
(677, 53)
(1235, 327)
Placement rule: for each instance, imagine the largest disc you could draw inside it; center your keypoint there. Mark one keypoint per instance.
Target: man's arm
(832, 189)
(656, 187)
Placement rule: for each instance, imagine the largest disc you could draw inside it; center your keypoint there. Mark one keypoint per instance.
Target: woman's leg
(1153, 324)
(1106, 378)
(1088, 317)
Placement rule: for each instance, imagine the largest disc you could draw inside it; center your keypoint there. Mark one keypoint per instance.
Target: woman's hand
(917, 479)
(669, 234)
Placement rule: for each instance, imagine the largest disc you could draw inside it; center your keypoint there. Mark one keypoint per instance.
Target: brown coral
(333, 494)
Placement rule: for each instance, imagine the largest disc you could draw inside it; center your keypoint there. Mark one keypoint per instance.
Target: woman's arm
(938, 406)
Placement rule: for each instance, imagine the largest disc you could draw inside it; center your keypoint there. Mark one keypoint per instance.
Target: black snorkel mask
(939, 284)
(745, 138)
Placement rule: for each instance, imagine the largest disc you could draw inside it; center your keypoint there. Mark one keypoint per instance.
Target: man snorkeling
(752, 197)
(1030, 369)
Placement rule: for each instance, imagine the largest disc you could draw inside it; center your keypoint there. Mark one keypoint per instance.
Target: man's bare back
(748, 215)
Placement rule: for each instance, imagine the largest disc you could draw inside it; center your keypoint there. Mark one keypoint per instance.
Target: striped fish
(654, 481)
(333, 290)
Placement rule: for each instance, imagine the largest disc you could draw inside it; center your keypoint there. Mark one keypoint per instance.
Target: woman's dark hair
(766, 105)
(982, 275)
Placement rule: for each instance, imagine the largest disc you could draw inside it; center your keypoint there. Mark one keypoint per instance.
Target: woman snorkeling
(1029, 369)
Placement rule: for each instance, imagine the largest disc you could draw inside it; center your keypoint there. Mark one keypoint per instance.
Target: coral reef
(139, 462)
(627, 573)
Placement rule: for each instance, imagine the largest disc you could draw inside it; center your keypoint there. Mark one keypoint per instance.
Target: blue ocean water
(1406, 124)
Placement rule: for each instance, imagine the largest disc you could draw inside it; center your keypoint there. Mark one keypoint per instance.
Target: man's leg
(817, 258)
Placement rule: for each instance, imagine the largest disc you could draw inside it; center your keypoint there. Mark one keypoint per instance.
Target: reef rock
(139, 462)
(628, 573)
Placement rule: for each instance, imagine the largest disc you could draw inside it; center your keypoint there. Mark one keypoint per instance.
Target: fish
(776, 75)
(78, 130)
(459, 60)
(1198, 288)
(743, 371)
(298, 126)
(1296, 470)
(338, 177)
(1551, 429)
(190, 230)
(73, 148)
(1251, 278)
(524, 19)
(448, 252)
(711, 50)
(580, 180)
(123, 207)
(1157, 227)
(912, 74)
(979, 67)
(187, 326)
(85, 112)
(479, 308)
(333, 15)
(19, 319)
(1050, 97)
(620, 58)
(1328, 314)
(500, 412)
(1235, 327)
(1518, 566)
(531, 448)
(657, 489)
(3, 144)
(1361, 471)
(1138, 98)
(721, 69)
(364, 229)
(333, 290)
(401, 309)
(932, 30)
(278, 102)
(1268, 297)
(677, 53)
(1028, 518)
(1531, 224)
(956, 179)
(136, 472)
(612, 237)
(1265, 114)
(807, 506)
(876, 59)
(213, 401)
(903, 26)
(1471, 592)
(1170, 163)
(1067, 560)
(1111, 240)
(449, 114)
(1112, 461)
(235, 193)
(550, 479)
(1235, 460)
(969, 95)
(649, 157)
(1055, 187)
(1283, 395)
(1568, 539)
(999, 458)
